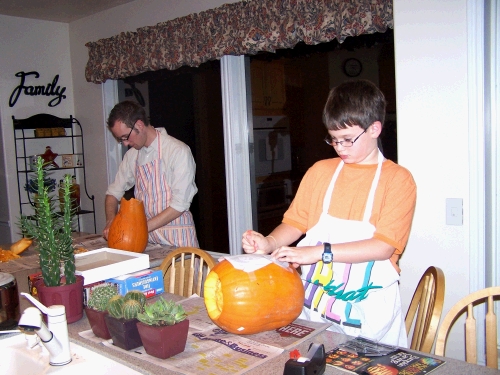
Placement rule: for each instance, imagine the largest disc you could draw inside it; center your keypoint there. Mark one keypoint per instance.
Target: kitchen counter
(29, 264)
(274, 366)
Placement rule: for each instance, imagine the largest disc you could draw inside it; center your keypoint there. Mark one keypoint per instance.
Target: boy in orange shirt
(356, 212)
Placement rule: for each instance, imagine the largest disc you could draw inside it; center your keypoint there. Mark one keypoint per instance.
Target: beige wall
(27, 45)
(432, 107)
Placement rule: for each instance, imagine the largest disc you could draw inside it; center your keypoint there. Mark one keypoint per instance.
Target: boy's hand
(298, 255)
(254, 243)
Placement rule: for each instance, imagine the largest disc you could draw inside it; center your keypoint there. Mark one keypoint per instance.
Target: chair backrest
(425, 309)
(467, 304)
(185, 269)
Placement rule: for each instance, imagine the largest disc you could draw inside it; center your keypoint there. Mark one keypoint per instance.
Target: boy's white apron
(358, 299)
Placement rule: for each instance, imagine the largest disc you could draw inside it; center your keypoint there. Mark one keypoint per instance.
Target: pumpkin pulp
(215, 300)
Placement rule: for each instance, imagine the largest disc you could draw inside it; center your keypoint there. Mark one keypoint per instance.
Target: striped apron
(152, 188)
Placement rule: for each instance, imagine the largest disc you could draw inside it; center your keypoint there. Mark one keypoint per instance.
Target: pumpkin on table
(249, 293)
(129, 229)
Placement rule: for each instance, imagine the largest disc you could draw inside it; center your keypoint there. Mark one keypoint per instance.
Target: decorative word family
(51, 89)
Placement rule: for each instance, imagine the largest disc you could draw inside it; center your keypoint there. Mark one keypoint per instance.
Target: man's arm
(163, 218)
(110, 209)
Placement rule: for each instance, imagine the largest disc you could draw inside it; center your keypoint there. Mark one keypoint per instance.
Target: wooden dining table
(272, 366)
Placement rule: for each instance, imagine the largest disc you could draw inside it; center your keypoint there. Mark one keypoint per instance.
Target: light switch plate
(454, 211)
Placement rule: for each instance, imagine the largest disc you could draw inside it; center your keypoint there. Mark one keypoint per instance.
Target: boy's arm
(350, 252)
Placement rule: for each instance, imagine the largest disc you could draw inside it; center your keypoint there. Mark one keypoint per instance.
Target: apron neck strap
(371, 195)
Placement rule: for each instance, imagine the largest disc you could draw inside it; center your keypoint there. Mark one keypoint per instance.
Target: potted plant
(163, 328)
(51, 232)
(97, 309)
(122, 319)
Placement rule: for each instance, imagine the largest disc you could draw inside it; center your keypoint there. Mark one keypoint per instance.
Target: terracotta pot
(123, 332)
(70, 296)
(165, 341)
(98, 323)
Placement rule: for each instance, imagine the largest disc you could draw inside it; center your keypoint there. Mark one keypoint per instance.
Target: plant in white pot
(51, 232)
(163, 328)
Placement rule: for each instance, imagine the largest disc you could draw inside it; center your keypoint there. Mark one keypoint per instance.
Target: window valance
(246, 27)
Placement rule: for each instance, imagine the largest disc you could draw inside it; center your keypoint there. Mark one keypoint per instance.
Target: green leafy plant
(100, 296)
(127, 306)
(162, 313)
(51, 231)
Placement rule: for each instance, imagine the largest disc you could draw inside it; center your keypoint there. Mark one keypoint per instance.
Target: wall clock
(352, 67)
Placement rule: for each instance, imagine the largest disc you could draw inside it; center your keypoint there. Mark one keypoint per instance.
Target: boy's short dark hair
(127, 112)
(354, 103)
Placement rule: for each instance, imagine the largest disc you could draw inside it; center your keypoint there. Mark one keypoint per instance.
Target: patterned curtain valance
(246, 27)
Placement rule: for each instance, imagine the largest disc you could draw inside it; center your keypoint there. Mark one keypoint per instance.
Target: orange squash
(250, 302)
(129, 229)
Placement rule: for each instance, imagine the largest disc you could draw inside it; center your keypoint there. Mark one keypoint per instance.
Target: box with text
(148, 281)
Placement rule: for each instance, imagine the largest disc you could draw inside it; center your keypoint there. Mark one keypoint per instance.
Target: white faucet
(55, 338)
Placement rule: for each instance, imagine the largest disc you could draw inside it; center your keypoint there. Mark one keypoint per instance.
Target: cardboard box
(149, 282)
(105, 263)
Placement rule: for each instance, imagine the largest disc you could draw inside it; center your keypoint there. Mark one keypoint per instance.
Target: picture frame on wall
(67, 161)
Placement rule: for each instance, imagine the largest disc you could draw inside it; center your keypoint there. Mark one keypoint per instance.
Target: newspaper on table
(285, 337)
(211, 350)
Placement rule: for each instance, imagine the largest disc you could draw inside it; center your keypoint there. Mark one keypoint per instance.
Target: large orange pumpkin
(129, 229)
(250, 302)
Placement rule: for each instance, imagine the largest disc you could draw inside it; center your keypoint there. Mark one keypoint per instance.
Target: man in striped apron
(161, 168)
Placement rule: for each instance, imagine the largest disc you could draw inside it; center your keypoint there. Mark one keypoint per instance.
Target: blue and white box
(150, 282)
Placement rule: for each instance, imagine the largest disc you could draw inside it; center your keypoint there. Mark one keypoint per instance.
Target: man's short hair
(127, 112)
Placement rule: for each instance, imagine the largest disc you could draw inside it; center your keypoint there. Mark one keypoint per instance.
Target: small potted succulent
(122, 319)
(97, 309)
(163, 328)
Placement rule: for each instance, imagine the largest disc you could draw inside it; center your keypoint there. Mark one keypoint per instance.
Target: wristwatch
(327, 256)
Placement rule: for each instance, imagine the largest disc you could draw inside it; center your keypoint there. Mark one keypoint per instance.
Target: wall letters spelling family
(51, 89)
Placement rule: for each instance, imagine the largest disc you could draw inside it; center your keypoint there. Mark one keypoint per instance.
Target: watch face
(327, 257)
(352, 67)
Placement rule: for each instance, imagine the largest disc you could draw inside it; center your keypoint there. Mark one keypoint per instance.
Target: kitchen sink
(19, 359)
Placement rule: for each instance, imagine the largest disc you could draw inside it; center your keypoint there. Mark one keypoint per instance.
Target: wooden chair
(426, 305)
(185, 269)
(466, 304)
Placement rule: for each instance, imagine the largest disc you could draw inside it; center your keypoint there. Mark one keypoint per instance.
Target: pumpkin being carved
(249, 293)
(129, 229)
